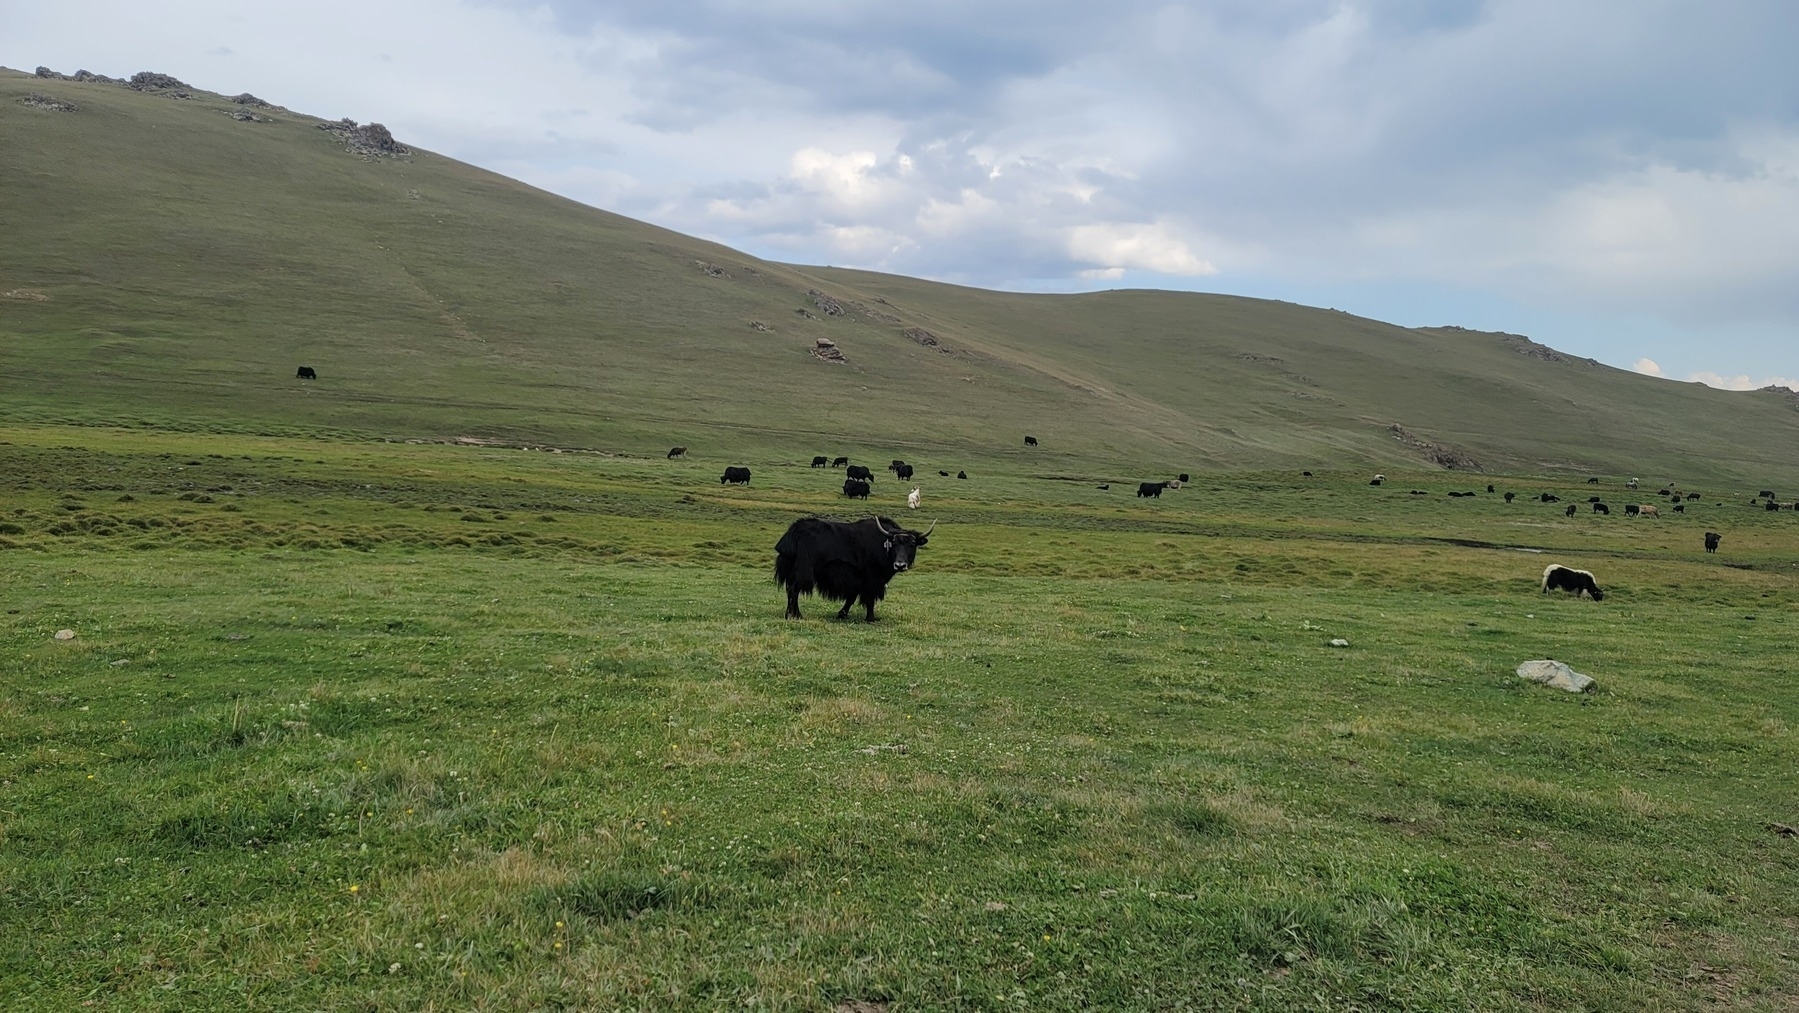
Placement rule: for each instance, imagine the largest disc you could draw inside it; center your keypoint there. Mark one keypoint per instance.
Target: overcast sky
(1617, 178)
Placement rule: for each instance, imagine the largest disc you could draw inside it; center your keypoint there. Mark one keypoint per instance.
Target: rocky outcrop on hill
(830, 306)
(159, 84)
(38, 100)
(247, 99)
(827, 350)
(370, 140)
(1518, 343)
(1440, 454)
(927, 339)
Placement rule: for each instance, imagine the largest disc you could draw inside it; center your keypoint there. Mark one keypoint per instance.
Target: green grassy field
(353, 724)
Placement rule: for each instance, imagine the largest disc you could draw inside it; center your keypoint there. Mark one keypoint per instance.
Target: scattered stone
(247, 99)
(24, 294)
(1339, 642)
(246, 116)
(1783, 830)
(38, 100)
(808, 314)
(89, 77)
(1556, 674)
(757, 325)
(121, 663)
(65, 634)
(994, 905)
(46, 72)
(827, 350)
(922, 336)
(830, 306)
(712, 270)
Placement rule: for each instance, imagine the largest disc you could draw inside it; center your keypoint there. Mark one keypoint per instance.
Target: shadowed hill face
(169, 263)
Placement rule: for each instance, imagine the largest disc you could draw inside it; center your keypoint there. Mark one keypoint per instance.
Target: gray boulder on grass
(1554, 673)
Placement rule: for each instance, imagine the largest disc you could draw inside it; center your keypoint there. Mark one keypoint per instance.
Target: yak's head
(902, 545)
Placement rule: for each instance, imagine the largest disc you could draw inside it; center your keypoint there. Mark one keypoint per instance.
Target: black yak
(846, 561)
(674, 452)
(860, 471)
(1557, 577)
(1151, 488)
(838, 462)
(1030, 441)
(855, 488)
(1601, 508)
(307, 373)
(1711, 541)
(1509, 495)
(1570, 511)
(961, 474)
(904, 471)
(735, 476)
(819, 462)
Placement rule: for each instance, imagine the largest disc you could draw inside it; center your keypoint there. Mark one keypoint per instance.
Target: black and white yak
(1557, 577)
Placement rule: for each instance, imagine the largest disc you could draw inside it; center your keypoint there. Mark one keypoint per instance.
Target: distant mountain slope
(172, 261)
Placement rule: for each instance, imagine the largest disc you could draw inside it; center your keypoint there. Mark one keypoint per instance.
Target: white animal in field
(912, 498)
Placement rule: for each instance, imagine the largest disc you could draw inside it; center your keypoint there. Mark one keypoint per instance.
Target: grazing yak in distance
(838, 462)
(912, 498)
(1105, 486)
(860, 471)
(1648, 510)
(1489, 487)
(1766, 494)
(1570, 511)
(1557, 577)
(961, 474)
(1773, 505)
(1692, 495)
(1030, 441)
(1150, 489)
(1550, 497)
(674, 452)
(1593, 481)
(1601, 508)
(1509, 495)
(1184, 477)
(904, 471)
(1680, 508)
(1711, 541)
(1631, 509)
(844, 561)
(735, 476)
(855, 488)
(819, 462)
(945, 474)
(307, 373)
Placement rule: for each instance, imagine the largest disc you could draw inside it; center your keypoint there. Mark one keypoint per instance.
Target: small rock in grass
(1554, 673)
(65, 634)
(1339, 642)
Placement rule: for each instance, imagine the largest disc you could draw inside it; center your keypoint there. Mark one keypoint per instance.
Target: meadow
(350, 724)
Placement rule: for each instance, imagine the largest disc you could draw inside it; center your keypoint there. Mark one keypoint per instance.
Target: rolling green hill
(168, 264)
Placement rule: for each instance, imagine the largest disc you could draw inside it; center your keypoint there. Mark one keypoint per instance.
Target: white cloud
(1136, 246)
(1741, 381)
(1648, 367)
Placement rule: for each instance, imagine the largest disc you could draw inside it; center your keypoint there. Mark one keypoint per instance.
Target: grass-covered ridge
(169, 265)
(420, 726)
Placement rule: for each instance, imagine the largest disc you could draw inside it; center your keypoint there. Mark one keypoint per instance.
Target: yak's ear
(922, 539)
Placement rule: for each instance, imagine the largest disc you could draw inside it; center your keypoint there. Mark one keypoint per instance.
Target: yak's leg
(793, 603)
(844, 613)
(869, 603)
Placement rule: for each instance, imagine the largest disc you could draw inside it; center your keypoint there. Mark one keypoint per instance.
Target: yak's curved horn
(878, 524)
(927, 531)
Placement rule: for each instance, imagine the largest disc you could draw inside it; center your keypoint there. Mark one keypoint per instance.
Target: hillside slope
(168, 263)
